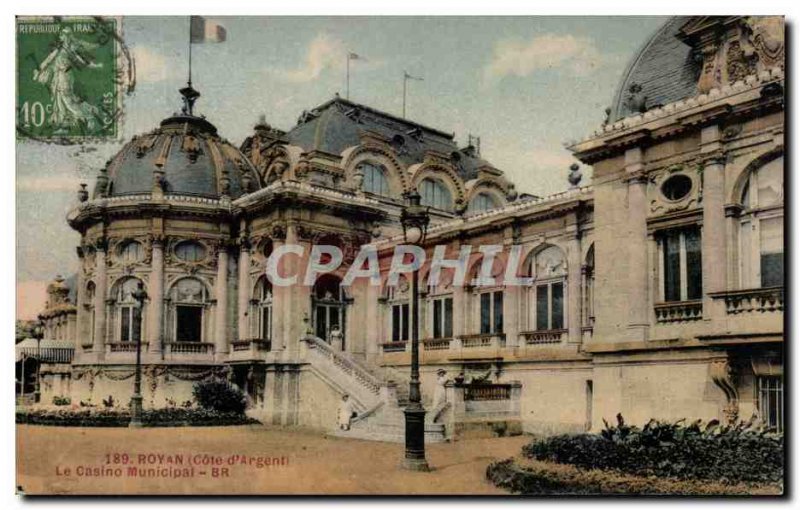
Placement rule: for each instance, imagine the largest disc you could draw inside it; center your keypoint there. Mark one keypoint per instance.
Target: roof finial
(190, 95)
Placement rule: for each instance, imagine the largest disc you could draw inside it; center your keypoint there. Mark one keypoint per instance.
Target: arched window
(761, 234)
(188, 301)
(435, 194)
(481, 202)
(263, 300)
(130, 252)
(328, 303)
(546, 297)
(190, 251)
(127, 311)
(374, 179)
(90, 311)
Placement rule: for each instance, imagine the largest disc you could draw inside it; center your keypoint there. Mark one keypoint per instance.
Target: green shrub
(219, 395)
(730, 454)
(530, 477)
(61, 401)
(167, 417)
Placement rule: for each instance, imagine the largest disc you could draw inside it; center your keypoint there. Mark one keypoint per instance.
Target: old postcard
(400, 255)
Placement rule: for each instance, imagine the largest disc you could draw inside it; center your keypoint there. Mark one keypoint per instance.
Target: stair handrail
(360, 374)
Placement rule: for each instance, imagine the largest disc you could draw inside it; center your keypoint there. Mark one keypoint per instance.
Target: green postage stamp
(68, 78)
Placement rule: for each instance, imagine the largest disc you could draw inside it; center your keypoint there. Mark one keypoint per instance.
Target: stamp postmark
(71, 72)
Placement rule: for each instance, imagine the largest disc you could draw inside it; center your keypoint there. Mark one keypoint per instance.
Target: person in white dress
(440, 392)
(346, 412)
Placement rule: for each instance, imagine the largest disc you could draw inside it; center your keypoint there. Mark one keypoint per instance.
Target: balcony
(679, 311)
(545, 336)
(389, 347)
(752, 301)
(436, 344)
(249, 349)
(124, 347)
(188, 351)
(483, 340)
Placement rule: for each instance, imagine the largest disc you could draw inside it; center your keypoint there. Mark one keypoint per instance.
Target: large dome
(664, 68)
(193, 158)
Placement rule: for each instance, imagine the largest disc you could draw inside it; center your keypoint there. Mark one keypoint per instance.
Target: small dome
(193, 158)
(663, 71)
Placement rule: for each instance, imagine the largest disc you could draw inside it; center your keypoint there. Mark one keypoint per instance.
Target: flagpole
(190, 51)
(405, 80)
(347, 90)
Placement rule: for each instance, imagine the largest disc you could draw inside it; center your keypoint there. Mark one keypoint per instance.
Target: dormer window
(375, 180)
(435, 194)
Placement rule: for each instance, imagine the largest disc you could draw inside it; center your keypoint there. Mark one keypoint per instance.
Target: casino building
(657, 292)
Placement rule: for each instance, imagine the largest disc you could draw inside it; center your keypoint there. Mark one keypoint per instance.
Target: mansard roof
(665, 68)
(339, 123)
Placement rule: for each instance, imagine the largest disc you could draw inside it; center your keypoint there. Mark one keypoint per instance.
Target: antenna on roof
(475, 143)
(407, 77)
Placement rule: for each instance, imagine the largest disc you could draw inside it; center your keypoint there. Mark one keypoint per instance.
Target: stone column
(244, 288)
(714, 255)
(100, 308)
(221, 294)
(156, 319)
(638, 280)
(574, 288)
(82, 324)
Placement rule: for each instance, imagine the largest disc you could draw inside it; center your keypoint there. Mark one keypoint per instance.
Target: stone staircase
(379, 395)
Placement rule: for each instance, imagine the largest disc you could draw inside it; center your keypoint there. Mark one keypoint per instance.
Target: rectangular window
(491, 312)
(542, 307)
(126, 320)
(770, 401)
(442, 317)
(130, 324)
(557, 316)
(682, 264)
(189, 323)
(437, 318)
(486, 313)
(694, 265)
(266, 323)
(498, 313)
(672, 267)
(550, 306)
(771, 252)
(400, 322)
(448, 317)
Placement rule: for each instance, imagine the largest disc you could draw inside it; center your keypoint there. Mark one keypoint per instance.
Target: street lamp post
(139, 295)
(414, 219)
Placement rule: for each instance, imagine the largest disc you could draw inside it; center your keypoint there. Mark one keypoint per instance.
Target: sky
(524, 85)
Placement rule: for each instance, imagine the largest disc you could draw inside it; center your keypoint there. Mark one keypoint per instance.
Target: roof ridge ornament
(190, 95)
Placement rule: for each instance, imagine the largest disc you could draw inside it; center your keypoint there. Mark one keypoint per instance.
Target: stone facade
(658, 290)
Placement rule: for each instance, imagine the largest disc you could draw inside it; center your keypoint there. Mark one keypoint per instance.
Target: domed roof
(664, 68)
(193, 158)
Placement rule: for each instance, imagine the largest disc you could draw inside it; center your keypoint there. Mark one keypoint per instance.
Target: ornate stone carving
(278, 232)
(660, 203)
(722, 374)
(738, 64)
(767, 38)
(191, 146)
(635, 99)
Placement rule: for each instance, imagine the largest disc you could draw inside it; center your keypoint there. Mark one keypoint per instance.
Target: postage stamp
(68, 78)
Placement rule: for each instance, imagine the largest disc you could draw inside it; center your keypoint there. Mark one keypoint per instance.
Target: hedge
(167, 417)
(729, 454)
(531, 477)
